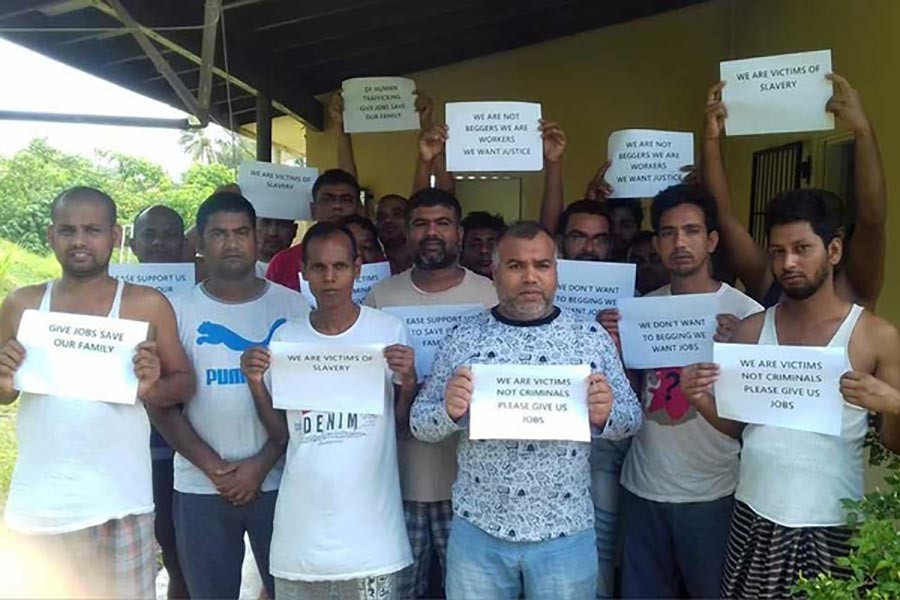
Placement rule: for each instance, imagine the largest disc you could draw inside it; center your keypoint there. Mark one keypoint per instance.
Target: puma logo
(216, 334)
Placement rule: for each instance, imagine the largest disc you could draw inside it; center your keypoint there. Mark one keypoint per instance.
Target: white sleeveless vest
(797, 478)
(80, 463)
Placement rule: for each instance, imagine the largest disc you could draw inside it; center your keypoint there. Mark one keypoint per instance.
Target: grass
(18, 267)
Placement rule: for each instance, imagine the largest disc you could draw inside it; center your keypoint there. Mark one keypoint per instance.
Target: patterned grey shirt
(522, 490)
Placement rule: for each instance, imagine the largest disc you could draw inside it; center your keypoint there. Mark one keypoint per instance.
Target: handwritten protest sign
(494, 136)
(170, 279)
(328, 378)
(369, 276)
(428, 326)
(777, 94)
(374, 104)
(667, 331)
(645, 162)
(586, 287)
(79, 356)
(277, 191)
(797, 387)
(530, 402)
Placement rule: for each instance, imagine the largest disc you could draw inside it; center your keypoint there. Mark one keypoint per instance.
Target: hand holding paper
(458, 394)
(402, 361)
(554, 139)
(726, 326)
(599, 399)
(715, 112)
(869, 392)
(336, 109)
(254, 363)
(431, 142)
(846, 105)
(11, 356)
(697, 383)
(146, 367)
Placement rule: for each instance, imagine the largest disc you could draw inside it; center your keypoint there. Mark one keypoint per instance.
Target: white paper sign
(668, 331)
(277, 191)
(373, 104)
(428, 326)
(170, 279)
(369, 276)
(494, 136)
(777, 94)
(797, 387)
(587, 287)
(328, 378)
(530, 402)
(79, 356)
(645, 162)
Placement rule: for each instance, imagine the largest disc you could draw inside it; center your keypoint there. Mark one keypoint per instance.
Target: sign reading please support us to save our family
(494, 136)
(170, 279)
(277, 191)
(369, 276)
(376, 104)
(777, 94)
(645, 161)
(428, 326)
(668, 331)
(328, 378)
(587, 287)
(79, 356)
(530, 402)
(797, 387)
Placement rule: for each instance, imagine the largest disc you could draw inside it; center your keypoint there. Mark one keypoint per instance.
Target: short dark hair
(480, 219)
(523, 230)
(823, 210)
(429, 197)
(631, 204)
(83, 191)
(335, 177)
(325, 229)
(224, 202)
(683, 193)
(390, 197)
(582, 207)
(363, 222)
(161, 207)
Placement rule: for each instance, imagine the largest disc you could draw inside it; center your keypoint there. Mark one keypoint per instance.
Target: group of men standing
(355, 505)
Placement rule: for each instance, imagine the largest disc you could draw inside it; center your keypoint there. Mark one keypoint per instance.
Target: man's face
(477, 250)
(390, 219)
(586, 238)
(651, 273)
(434, 234)
(334, 201)
(330, 269)
(82, 237)
(273, 236)
(229, 245)
(158, 237)
(683, 242)
(801, 263)
(624, 228)
(525, 277)
(366, 244)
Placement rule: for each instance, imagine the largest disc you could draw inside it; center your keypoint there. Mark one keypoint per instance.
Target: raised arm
(346, 160)
(553, 201)
(750, 262)
(443, 179)
(431, 146)
(863, 274)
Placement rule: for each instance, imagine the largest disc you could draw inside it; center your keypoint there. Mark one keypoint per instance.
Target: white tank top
(79, 463)
(797, 478)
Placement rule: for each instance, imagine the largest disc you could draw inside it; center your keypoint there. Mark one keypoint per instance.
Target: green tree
(199, 144)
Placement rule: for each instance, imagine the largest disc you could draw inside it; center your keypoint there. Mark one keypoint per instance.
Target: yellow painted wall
(654, 73)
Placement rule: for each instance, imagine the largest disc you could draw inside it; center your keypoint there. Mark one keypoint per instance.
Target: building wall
(653, 73)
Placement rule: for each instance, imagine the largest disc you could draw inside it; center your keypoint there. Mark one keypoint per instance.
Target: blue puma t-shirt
(215, 334)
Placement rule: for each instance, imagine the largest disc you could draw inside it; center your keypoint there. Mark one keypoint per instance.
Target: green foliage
(30, 179)
(874, 559)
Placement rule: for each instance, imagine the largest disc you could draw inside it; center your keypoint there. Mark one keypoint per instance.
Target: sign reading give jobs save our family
(494, 136)
(530, 402)
(79, 356)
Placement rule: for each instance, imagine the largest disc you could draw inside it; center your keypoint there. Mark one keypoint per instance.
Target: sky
(32, 82)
